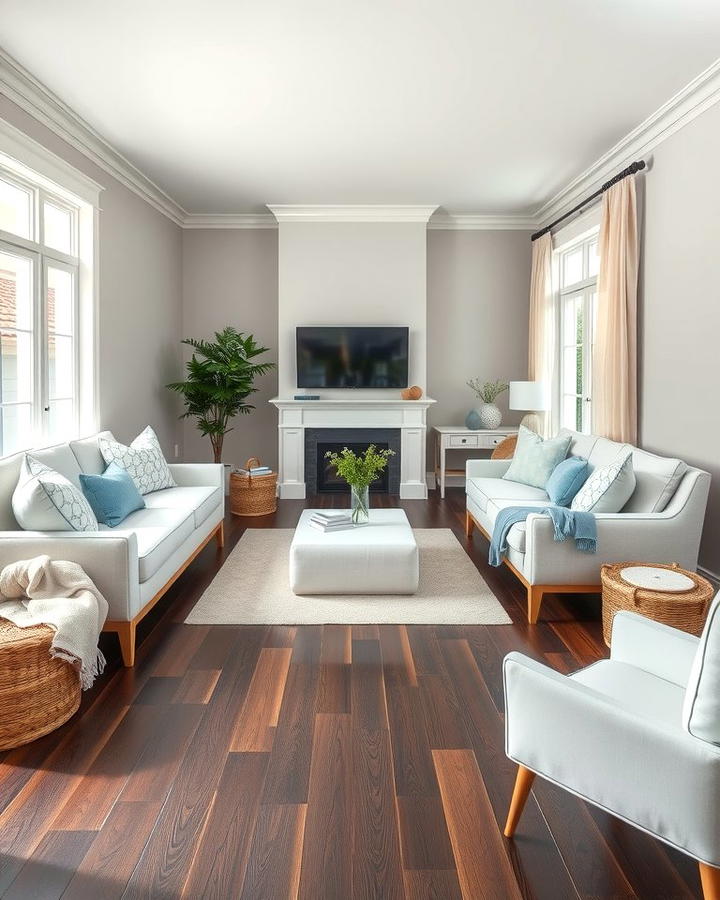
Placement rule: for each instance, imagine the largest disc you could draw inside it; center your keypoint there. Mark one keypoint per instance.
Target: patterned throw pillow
(44, 500)
(608, 489)
(535, 459)
(143, 460)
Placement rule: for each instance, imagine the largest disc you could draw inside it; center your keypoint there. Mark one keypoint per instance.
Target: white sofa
(135, 563)
(662, 521)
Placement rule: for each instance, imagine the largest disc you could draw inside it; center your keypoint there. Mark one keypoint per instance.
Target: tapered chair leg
(469, 525)
(126, 635)
(523, 784)
(535, 596)
(220, 535)
(710, 880)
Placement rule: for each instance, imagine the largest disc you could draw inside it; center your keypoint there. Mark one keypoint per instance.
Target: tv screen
(352, 357)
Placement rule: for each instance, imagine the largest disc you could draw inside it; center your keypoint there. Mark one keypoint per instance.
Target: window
(40, 273)
(577, 268)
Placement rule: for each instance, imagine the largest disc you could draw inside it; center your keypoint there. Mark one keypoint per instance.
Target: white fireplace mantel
(294, 416)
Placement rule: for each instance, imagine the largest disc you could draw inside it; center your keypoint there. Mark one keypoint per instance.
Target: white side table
(458, 437)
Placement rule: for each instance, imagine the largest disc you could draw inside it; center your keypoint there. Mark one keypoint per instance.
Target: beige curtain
(541, 345)
(614, 399)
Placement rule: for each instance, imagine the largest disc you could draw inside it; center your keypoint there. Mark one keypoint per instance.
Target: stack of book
(331, 521)
(255, 470)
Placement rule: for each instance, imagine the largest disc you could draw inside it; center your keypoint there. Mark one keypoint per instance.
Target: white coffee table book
(380, 557)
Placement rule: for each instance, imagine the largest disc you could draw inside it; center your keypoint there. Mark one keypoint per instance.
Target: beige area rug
(253, 588)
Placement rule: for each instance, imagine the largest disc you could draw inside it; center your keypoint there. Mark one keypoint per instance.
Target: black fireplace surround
(319, 478)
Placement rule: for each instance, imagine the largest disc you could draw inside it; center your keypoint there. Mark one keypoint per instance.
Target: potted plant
(359, 470)
(220, 378)
(487, 415)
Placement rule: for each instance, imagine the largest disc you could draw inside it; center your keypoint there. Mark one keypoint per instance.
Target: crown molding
(18, 85)
(452, 222)
(690, 102)
(354, 213)
(229, 220)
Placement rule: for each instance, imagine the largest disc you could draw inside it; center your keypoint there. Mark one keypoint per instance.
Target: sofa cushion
(580, 444)
(143, 459)
(202, 501)
(535, 459)
(60, 458)
(516, 535)
(9, 474)
(701, 709)
(45, 500)
(159, 534)
(483, 489)
(657, 479)
(608, 489)
(87, 453)
(112, 495)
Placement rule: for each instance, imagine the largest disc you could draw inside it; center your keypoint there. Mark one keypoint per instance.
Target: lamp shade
(528, 395)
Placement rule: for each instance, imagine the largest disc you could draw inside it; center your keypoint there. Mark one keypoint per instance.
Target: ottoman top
(386, 526)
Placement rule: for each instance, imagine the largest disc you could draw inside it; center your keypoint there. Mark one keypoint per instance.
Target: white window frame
(585, 289)
(49, 178)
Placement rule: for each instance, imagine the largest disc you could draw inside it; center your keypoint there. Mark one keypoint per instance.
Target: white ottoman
(378, 558)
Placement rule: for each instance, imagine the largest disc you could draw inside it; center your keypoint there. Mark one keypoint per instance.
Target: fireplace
(321, 478)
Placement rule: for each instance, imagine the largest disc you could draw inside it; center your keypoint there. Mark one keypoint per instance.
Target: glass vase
(360, 504)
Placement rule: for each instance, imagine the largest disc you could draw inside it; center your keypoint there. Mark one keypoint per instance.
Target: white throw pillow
(44, 500)
(701, 709)
(143, 460)
(608, 489)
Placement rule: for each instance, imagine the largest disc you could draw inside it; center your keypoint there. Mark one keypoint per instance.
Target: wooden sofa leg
(220, 535)
(469, 525)
(126, 634)
(535, 595)
(523, 784)
(710, 880)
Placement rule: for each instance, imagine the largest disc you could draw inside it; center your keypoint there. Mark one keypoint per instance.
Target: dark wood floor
(318, 762)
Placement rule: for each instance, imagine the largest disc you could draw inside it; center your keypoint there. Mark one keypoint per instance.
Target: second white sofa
(135, 563)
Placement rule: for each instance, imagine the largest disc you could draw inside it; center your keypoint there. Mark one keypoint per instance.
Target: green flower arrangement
(489, 391)
(359, 470)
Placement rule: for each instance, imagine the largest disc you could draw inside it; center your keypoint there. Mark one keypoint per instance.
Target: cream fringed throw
(57, 593)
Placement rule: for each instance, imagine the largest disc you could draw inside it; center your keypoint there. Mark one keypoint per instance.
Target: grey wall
(680, 308)
(231, 278)
(139, 303)
(478, 288)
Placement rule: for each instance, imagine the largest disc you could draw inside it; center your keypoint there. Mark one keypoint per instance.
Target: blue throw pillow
(566, 480)
(112, 495)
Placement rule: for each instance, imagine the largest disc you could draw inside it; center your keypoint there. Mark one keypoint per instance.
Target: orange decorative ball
(412, 393)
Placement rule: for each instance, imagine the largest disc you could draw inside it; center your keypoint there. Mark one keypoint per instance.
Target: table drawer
(465, 440)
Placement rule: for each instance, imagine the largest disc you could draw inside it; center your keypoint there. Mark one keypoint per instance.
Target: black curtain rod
(632, 169)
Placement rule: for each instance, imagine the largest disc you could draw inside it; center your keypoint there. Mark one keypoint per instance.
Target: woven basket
(37, 692)
(253, 495)
(685, 610)
(506, 448)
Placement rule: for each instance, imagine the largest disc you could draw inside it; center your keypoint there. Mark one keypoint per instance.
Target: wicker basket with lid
(682, 602)
(38, 693)
(253, 495)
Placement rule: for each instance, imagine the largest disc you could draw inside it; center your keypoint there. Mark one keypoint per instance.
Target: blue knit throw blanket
(566, 523)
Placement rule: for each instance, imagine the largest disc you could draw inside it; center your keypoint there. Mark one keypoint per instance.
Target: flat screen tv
(352, 356)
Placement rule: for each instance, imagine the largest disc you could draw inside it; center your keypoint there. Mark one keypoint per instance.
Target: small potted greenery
(359, 470)
(220, 378)
(487, 415)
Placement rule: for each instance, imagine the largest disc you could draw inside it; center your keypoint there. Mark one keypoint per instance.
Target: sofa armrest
(656, 648)
(486, 468)
(110, 559)
(652, 774)
(198, 474)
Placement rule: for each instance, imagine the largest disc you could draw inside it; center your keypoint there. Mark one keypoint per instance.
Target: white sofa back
(657, 477)
(68, 459)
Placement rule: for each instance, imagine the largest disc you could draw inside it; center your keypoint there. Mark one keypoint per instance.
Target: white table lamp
(531, 396)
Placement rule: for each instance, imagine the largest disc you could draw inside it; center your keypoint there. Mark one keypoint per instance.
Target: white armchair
(637, 734)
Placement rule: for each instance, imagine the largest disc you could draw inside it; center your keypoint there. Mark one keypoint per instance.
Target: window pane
(57, 227)
(60, 301)
(569, 412)
(572, 266)
(16, 365)
(15, 209)
(16, 431)
(572, 304)
(15, 291)
(61, 420)
(61, 374)
(593, 259)
(569, 370)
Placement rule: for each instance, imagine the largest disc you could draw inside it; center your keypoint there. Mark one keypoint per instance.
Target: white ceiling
(481, 107)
